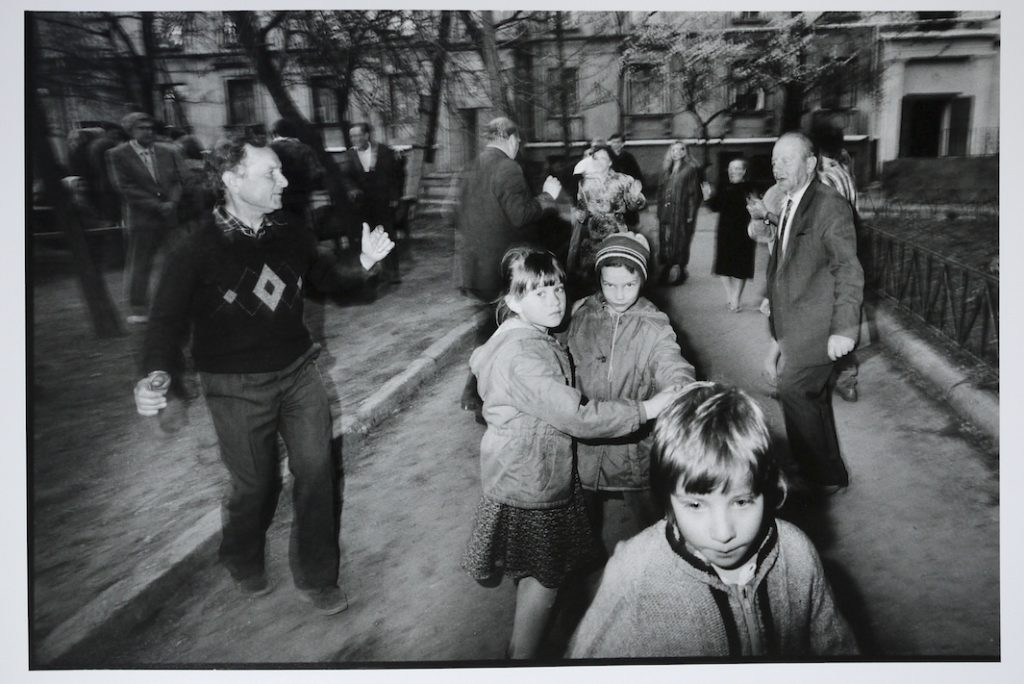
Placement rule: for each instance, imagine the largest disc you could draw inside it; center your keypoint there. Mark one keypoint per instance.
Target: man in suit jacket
(148, 176)
(496, 210)
(625, 162)
(374, 180)
(815, 288)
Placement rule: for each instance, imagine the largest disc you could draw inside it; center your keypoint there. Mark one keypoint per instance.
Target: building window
(838, 88)
(646, 88)
(745, 96)
(170, 30)
(241, 102)
(404, 94)
(748, 18)
(170, 103)
(325, 102)
(570, 78)
(228, 33)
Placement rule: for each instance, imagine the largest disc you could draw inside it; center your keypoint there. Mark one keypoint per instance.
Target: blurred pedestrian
(602, 201)
(104, 195)
(236, 285)
(374, 184)
(148, 175)
(495, 211)
(198, 194)
(734, 250)
(625, 163)
(835, 169)
(302, 169)
(679, 199)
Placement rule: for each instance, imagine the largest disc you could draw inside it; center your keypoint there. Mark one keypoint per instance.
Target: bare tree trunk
(422, 153)
(253, 40)
(106, 320)
(563, 88)
(484, 36)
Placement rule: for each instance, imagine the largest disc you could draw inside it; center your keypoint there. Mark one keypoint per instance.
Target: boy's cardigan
(658, 600)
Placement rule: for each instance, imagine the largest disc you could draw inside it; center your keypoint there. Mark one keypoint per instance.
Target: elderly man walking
(496, 210)
(236, 282)
(815, 289)
(148, 175)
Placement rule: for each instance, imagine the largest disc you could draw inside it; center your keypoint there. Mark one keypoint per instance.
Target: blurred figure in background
(679, 198)
(625, 163)
(374, 180)
(149, 177)
(302, 169)
(734, 250)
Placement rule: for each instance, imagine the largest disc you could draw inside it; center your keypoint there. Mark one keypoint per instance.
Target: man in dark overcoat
(496, 210)
(815, 288)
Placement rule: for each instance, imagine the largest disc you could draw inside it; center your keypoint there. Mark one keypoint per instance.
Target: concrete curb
(978, 406)
(133, 599)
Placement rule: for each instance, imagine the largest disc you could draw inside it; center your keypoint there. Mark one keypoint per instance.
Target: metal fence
(959, 302)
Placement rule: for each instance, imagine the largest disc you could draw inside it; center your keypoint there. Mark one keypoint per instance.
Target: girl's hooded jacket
(532, 410)
(631, 355)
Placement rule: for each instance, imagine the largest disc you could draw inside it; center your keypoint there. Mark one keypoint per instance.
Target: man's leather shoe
(847, 393)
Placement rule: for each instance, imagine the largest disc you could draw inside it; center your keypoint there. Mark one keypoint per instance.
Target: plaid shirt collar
(228, 224)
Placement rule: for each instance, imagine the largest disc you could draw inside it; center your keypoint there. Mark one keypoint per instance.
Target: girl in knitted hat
(623, 348)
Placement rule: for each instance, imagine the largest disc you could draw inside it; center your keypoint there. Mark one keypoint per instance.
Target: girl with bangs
(531, 524)
(720, 575)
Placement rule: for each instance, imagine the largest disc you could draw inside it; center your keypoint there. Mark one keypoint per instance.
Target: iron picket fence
(959, 302)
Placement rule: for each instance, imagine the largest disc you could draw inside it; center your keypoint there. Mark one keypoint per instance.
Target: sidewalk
(118, 505)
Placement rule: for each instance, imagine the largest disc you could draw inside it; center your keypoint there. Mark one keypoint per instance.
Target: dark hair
(828, 138)
(712, 437)
(190, 146)
(500, 129)
(286, 128)
(523, 269)
(617, 134)
(603, 146)
(366, 127)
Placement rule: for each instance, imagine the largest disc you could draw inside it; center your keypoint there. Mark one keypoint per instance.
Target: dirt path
(107, 489)
(911, 548)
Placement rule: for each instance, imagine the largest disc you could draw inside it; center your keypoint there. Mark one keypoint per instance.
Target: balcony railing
(957, 301)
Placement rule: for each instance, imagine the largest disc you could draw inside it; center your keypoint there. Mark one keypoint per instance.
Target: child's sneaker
(326, 601)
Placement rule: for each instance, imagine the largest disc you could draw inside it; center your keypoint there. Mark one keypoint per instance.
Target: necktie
(147, 159)
(782, 227)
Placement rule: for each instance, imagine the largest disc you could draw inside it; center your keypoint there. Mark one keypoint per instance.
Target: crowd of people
(592, 401)
(586, 399)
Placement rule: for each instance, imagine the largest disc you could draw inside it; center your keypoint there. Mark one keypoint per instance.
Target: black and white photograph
(496, 342)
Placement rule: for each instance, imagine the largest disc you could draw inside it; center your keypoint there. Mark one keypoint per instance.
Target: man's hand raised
(376, 246)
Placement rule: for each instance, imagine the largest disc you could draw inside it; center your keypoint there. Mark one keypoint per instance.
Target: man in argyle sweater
(236, 284)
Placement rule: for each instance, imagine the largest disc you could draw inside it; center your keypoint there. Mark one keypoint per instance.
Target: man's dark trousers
(249, 410)
(810, 426)
(142, 246)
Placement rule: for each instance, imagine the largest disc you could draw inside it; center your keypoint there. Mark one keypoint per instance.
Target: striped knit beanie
(630, 246)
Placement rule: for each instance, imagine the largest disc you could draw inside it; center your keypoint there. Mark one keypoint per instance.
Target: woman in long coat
(679, 198)
(734, 250)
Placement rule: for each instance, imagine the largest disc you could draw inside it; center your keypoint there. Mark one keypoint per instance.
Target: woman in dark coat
(679, 198)
(734, 250)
